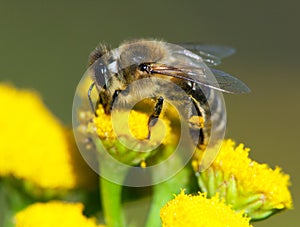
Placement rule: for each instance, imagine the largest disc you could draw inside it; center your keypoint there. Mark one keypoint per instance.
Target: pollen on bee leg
(196, 121)
(202, 146)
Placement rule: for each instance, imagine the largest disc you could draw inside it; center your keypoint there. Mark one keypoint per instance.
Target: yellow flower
(199, 211)
(125, 134)
(245, 184)
(34, 146)
(54, 213)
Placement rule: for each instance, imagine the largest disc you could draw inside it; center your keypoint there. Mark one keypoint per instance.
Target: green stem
(111, 203)
(110, 192)
(164, 192)
(161, 195)
(12, 200)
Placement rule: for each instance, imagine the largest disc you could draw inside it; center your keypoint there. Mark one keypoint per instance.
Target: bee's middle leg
(154, 116)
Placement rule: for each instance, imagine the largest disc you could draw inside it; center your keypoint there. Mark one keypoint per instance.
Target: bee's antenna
(90, 98)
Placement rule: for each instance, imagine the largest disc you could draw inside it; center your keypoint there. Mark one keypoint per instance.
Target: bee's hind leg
(154, 116)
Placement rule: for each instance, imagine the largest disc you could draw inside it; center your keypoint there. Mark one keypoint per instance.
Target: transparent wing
(215, 50)
(211, 54)
(230, 83)
(221, 81)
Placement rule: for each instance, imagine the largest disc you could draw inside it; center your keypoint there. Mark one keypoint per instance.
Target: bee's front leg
(154, 116)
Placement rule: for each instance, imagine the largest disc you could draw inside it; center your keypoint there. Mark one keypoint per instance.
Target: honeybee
(137, 68)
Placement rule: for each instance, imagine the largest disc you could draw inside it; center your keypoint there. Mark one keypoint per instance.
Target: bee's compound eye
(101, 73)
(116, 93)
(144, 67)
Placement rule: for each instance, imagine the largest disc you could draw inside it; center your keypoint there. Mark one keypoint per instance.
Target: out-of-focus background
(44, 45)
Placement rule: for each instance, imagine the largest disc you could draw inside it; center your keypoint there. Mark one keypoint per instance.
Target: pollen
(197, 121)
(128, 137)
(246, 184)
(143, 164)
(129, 123)
(54, 213)
(198, 210)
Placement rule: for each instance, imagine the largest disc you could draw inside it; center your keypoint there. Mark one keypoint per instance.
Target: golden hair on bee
(143, 50)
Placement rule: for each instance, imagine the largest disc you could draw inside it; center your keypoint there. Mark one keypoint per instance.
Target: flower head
(194, 211)
(126, 135)
(35, 146)
(54, 213)
(245, 184)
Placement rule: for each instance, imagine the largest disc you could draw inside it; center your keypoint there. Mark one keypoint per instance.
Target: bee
(137, 68)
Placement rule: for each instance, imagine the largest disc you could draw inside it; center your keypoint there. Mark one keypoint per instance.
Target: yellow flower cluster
(125, 135)
(244, 183)
(127, 123)
(34, 146)
(199, 211)
(54, 213)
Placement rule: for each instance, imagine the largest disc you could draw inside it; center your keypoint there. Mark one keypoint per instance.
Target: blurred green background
(44, 45)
